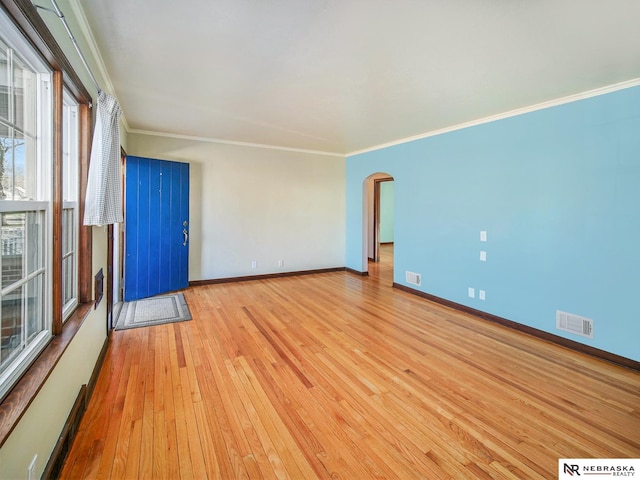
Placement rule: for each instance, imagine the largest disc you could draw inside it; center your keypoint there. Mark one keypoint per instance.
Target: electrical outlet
(482, 295)
(483, 256)
(483, 235)
(280, 263)
(254, 264)
(472, 292)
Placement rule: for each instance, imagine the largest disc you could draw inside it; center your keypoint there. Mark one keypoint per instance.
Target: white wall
(249, 203)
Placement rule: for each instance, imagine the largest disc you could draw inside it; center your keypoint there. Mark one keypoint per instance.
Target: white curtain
(103, 203)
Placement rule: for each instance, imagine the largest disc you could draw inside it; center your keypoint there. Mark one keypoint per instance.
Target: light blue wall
(557, 190)
(386, 212)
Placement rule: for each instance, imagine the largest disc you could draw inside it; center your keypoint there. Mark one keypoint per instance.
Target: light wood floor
(336, 376)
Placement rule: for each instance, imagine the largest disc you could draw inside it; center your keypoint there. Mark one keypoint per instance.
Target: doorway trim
(376, 216)
(367, 218)
(115, 258)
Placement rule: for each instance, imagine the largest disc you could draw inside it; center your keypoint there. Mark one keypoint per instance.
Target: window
(25, 205)
(45, 252)
(70, 219)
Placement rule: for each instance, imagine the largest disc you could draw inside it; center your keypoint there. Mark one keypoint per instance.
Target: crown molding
(233, 142)
(512, 113)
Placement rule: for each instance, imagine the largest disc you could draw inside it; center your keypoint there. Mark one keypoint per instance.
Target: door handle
(186, 237)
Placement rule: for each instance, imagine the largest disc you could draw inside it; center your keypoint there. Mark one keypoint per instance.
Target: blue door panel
(131, 219)
(142, 234)
(157, 206)
(183, 253)
(154, 229)
(178, 251)
(166, 275)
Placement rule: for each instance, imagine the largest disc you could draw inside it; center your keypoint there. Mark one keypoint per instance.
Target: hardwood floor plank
(114, 421)
(221, 454)
(267, 458)
(179, 408)
(146, 414)
(339, 376)
(172, 449)
(283, 446)
(224, 406)
(159, 455)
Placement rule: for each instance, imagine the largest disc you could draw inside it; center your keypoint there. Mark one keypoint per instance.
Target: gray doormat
(153, 311)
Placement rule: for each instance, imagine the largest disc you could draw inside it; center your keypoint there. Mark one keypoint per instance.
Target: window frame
(70, 202)
(25, 17)
(34, 201)
(31, 347)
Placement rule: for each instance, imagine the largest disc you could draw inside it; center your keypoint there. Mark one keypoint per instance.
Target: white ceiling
(345, 75)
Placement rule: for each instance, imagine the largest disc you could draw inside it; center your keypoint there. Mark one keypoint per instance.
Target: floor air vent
(412, 278)
(571, 323)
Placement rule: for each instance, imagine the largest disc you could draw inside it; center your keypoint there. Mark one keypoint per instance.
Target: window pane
(6, 165)
(34, 307)
(69, 264)
(68, 276)
(24, 186)
(12, 242)
(4, 82)
(24, 97)
(70, 206)
(25, 169)
(18, 110)
(35, 241)
(70, 150)
(67, 234)
(17, 165)
(5, 128)
(11, 342)
(14, 254)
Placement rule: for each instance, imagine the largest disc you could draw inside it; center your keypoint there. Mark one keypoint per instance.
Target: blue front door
(156, 227)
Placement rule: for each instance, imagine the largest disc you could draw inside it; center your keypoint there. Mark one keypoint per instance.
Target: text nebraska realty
(613, 470)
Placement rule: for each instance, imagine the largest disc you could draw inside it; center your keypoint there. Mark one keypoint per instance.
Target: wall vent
(413, 278)
(572, 323)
